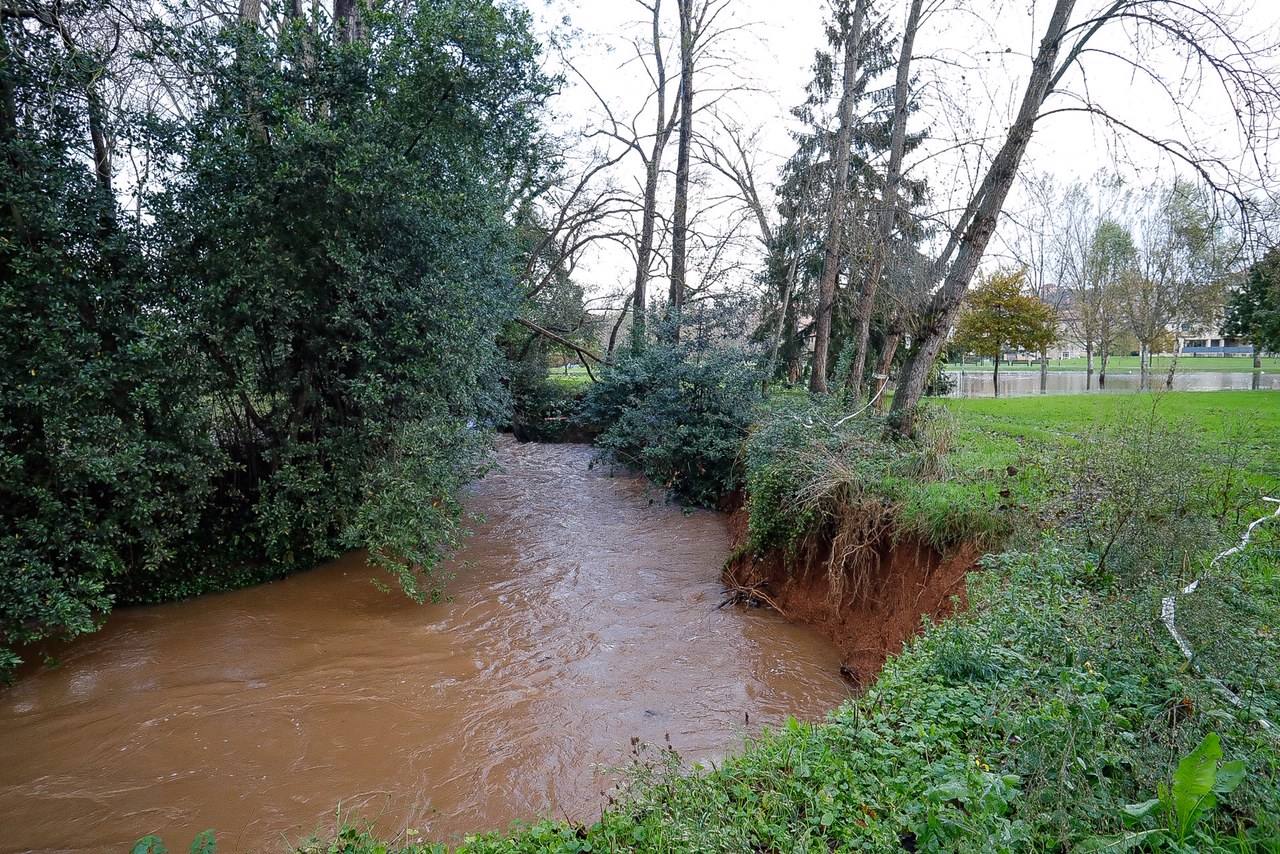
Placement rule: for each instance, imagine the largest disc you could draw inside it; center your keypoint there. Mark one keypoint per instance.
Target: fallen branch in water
(739, 592)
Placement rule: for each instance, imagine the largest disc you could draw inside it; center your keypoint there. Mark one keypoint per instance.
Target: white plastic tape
(1168, 614)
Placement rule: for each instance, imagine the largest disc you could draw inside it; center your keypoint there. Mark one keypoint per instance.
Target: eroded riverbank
(583, 614)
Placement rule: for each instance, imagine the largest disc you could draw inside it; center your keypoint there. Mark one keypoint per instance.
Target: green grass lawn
(1240, 425)
(573, 379)
(1120, 364)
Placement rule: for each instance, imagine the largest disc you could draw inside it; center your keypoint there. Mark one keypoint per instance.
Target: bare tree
(1040, 250)
(851, 25)
(649, 148)
(1098, 252)
(1177, 277)
(889, 202)
(1206, 38)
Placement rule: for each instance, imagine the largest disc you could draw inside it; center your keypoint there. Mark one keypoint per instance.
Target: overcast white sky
(972, 58)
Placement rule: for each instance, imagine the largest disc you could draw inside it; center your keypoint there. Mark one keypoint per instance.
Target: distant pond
(976, 381)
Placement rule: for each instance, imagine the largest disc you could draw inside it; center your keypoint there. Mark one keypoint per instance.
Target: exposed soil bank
(907, 580)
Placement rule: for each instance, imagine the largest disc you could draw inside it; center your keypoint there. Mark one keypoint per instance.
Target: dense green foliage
(280, 355)
(679, 413)
(1253, 311)
(105, 458)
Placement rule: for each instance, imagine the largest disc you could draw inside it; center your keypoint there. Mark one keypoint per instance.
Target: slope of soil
(907, 580)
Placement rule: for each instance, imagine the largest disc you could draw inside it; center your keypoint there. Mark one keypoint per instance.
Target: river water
(583, 614)
(976, 381)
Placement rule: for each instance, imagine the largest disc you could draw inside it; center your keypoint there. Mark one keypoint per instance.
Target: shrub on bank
(679, 414)
(812, 472)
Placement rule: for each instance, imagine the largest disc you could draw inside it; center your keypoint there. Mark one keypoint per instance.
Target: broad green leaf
(1141, 810)
(953, 789)
(1230, 775)
(1193, 782)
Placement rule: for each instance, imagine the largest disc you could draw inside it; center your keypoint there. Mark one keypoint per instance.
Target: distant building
(1210, 341)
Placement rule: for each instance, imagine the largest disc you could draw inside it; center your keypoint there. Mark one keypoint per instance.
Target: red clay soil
(909, 579)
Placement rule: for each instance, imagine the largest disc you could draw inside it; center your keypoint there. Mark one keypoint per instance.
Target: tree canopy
(998, 316)
(282, 351)
(1253, 311)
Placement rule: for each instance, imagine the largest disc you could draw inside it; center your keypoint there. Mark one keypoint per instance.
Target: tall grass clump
(820, 479)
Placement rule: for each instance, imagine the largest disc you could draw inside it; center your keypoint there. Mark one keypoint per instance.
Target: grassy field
(1242, 427)
(574, 378)
(1055, 712)
(1120, 364)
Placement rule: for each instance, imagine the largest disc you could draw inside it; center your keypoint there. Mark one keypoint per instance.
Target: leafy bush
(274, 360)
(679, 414)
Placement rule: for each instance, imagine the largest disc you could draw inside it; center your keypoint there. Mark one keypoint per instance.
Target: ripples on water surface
(583, 614)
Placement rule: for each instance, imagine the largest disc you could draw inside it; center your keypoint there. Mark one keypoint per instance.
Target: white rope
(809, 425)
(1168, 614)
(870, 402)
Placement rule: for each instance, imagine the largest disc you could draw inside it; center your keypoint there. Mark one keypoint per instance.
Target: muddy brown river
(583, 614)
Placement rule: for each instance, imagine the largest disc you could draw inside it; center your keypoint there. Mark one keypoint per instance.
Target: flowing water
(584, 613)
(976, 381)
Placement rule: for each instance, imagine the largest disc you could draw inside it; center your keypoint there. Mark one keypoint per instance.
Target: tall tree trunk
(785, 318)
(1257, 358)
(1103, 355)
(346, 18)
(1088, 365)
(787, 289)
(945, 304)
(885, 364)
(251, 11)
(794, 369)
(1143, 365)
(1044, 370)
(98, 136)
(1173, 369)
(617, 325)
(889, 199)
(839, 196)
(653, 168)
(680, 214)
(995, 375)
